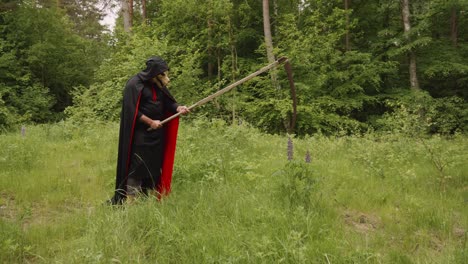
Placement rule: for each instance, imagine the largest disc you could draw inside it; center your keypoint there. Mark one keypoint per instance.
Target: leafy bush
(102, 100)
(41, 60)
(419, 114)
(298, 184)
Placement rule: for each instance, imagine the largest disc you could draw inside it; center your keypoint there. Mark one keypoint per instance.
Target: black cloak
(128, 119)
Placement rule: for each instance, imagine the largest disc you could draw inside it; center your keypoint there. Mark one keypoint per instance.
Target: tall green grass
(236, 199)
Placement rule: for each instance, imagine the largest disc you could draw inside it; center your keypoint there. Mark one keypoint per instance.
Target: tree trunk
(210, 48)
(143, 11)
(275, 8)
(233, 70)
(346, 7)
(453, 26)
(233, 51)
(413, 74)
(130, 11)
(218, 59)
(127, 12)
(268, 39)
(411, 56)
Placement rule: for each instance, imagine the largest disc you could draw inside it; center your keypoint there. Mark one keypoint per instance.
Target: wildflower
(290, 149)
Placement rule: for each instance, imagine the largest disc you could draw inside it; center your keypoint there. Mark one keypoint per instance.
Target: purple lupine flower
(307, 157)
(290, 149)
(23, 131)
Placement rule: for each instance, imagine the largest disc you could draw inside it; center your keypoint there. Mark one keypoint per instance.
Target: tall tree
(143, 11)
(453, 26)
(267, 31)
(346, 7)
(268, 39)
(85, 16)
(127, 13)
(42, 60)
(405, 13)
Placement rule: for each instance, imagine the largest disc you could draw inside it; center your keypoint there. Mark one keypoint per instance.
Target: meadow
(236, 198)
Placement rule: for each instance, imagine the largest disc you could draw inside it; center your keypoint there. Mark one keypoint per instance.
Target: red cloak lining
(172, 127)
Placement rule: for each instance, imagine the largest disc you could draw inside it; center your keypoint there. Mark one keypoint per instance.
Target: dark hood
(154, 66)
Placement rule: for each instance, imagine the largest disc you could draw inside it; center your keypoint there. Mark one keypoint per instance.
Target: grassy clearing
(236, 198)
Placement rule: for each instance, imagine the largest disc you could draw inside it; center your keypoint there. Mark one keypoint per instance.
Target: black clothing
(154, 109)
(154, 66)
(138, 99)
(144, 173)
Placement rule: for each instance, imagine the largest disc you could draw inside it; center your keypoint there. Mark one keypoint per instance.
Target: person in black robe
(146, 148)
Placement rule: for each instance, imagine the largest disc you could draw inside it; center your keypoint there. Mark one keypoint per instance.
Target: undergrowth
(236, 199)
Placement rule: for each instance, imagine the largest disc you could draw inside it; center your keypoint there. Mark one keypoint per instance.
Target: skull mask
(162, 79)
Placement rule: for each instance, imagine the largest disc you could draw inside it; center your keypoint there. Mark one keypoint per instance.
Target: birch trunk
(126, 12)
(411, 56)
(268, 39)
(130, 12)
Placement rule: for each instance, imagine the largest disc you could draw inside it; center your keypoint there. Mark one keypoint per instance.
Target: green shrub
(420, 114)
(298, 184)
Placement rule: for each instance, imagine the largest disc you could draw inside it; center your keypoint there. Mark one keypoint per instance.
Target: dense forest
(358, 65)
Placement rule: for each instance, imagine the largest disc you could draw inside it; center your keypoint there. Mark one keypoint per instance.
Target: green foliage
(200, 163)
(340, 90)
(86, 15)
(42, 59)
(334, 87)
(22, 99)
(347, 63)
(30, 102)
(298, 185)
(419, 114)
(445, 71)
(102, 100)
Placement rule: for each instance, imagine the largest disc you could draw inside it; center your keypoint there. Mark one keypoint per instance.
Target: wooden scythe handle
(229, 87)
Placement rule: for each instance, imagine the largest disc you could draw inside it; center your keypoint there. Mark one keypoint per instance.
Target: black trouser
(145, 169)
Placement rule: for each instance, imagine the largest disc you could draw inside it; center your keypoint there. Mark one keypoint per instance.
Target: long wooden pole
(229, 87)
